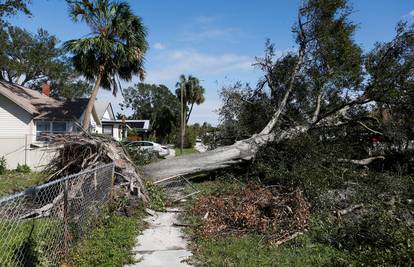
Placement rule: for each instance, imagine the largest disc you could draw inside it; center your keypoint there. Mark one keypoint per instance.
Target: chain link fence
(177, 188)
(38, 226)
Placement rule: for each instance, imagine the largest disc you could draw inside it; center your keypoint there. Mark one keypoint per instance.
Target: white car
(151, 147)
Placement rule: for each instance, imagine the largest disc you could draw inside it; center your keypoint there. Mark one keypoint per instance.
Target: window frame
(49, 125)
(108, 125)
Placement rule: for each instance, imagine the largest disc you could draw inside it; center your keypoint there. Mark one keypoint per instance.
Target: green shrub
(141, 157)
(189, 138)
(3, 165)
(157, 196)
(23, 168)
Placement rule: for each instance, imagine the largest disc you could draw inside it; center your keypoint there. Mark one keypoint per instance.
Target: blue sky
(215, 40)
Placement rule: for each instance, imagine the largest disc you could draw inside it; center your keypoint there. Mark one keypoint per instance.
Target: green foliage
(111, 243)
(115, 49)
(3, 165)
(155, 103)
(373, 237)
(141, 157)
(26, 57)
(157, 196)
(32, 59)
(380, 233)
(193, 93)
(11, 7)
(189, 138)
(240, 112)
(23, 168)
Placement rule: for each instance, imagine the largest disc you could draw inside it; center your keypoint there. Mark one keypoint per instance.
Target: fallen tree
(323, 85)
(79, 154)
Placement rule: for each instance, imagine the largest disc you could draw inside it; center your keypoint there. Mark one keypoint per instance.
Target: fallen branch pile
(79, 153)
(84, 152)
(255, 209)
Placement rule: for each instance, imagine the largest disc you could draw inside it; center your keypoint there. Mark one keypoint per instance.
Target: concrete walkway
(162, 243)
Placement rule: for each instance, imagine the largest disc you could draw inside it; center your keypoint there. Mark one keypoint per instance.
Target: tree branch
(368, 128)
(361, 162)
(317, 109)
(282, 105)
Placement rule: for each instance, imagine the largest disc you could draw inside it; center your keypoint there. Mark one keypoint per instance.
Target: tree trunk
(91, 103)
(218, 158)
(189, 113)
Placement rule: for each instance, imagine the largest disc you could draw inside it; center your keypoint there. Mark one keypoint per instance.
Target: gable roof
(102, 107)
(41, 106)
(21, 96)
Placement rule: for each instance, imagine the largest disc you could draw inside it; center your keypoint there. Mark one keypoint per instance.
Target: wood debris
(280, 217)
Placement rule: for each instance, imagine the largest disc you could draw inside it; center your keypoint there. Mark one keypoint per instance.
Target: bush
(23, 168)
(3, 165)
(189, 138)
(141, 157)
(157, 196)
(379, 233)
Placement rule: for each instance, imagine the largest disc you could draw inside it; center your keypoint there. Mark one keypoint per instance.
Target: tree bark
(189, 113)
(218, 158)
(91, 103)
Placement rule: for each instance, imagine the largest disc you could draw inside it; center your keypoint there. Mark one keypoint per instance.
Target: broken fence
(177, 188)
(39, 225)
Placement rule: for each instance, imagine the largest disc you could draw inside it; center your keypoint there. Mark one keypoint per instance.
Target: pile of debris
(84, 152)
(279, 217)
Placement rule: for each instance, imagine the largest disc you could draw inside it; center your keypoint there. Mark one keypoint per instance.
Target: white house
(26, 115)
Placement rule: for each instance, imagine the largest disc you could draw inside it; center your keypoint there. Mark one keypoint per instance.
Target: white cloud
(159, 46)
(206, 19)
(174, 63)
(411, 13)
(207, 28)
(205, 33)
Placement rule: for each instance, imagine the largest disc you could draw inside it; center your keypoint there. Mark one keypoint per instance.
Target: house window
(58, 127)
(108, 129)
(47, 127)
(43, 127)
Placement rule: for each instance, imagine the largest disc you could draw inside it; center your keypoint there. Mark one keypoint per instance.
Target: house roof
(101, 107)
(138, 124)
(135, 124)
(42, 106)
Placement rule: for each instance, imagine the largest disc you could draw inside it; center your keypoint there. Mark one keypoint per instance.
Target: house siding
(14, 121)
(16, 128)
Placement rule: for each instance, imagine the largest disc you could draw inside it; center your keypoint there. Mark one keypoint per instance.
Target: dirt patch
(254, 209)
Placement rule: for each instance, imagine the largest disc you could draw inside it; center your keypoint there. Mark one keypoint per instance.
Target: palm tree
(193, 93)
(113, 50)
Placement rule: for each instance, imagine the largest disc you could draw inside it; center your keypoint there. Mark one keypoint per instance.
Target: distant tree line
(159, 105)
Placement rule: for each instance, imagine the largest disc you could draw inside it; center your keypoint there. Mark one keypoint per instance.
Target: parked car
(150, 147)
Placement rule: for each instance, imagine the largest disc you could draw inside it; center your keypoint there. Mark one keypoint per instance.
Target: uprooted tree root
(80, 153)
(279, 217)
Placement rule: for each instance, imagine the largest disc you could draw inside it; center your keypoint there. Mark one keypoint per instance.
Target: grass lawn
(12, 181)
(186, 151)
(111, 243)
